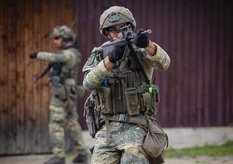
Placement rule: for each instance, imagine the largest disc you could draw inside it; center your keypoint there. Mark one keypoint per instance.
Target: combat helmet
(116, 15)
(65, 32)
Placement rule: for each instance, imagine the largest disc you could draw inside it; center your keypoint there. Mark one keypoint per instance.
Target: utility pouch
(105, 100)
(59, 91)
(154, 102)
(132, 101)
(71, 96)
(146, 102)
(156, 140)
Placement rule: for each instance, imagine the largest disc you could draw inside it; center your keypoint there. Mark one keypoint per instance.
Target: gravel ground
(39, 159)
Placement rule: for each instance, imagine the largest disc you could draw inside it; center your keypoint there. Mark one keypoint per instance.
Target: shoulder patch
(94, 59)
(91, 59)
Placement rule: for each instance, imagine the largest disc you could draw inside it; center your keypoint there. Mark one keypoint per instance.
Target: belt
(137, 119)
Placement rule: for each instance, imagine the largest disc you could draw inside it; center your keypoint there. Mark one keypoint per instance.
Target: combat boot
(81, 158)
(55, 160)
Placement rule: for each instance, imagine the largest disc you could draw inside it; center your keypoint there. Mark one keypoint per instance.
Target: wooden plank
(213, 64)
(2, 74)
(228, 66)
(29, 121)
(36, 87)
(20, 92)
(165, 36)
(5, 111)
(40, 106)
(193, 56)
(220, 84)
(218, 65)
(186, 68)
(179, 64)
(227, 86)
(44, 89)
(206, 58)
(11, 84)
(172, 94)
(200, 64)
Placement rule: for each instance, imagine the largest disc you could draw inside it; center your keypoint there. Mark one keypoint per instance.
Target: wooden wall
(25, 27)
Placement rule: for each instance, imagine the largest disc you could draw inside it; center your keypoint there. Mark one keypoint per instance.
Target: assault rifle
(128, 38)
(56, 67)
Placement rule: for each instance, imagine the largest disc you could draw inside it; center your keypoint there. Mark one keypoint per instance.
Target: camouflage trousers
(64, 119)
(125, 145)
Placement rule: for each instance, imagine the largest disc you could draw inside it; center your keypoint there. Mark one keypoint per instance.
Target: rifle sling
(136, 62)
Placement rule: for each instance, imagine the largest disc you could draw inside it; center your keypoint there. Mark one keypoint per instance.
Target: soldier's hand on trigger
(141, 40)
(33, 55)
(117, 53)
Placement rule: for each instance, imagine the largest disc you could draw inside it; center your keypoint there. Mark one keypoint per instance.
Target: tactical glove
(33, 55)
(117, 53)
(141, 40)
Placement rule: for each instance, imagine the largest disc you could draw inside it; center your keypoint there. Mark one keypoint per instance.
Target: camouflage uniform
(63, 115)
(119, 140)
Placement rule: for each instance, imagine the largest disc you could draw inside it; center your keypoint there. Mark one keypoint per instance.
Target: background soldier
(64, 65)
(119, 77)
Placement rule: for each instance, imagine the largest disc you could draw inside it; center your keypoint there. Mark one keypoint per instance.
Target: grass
(208, 150)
